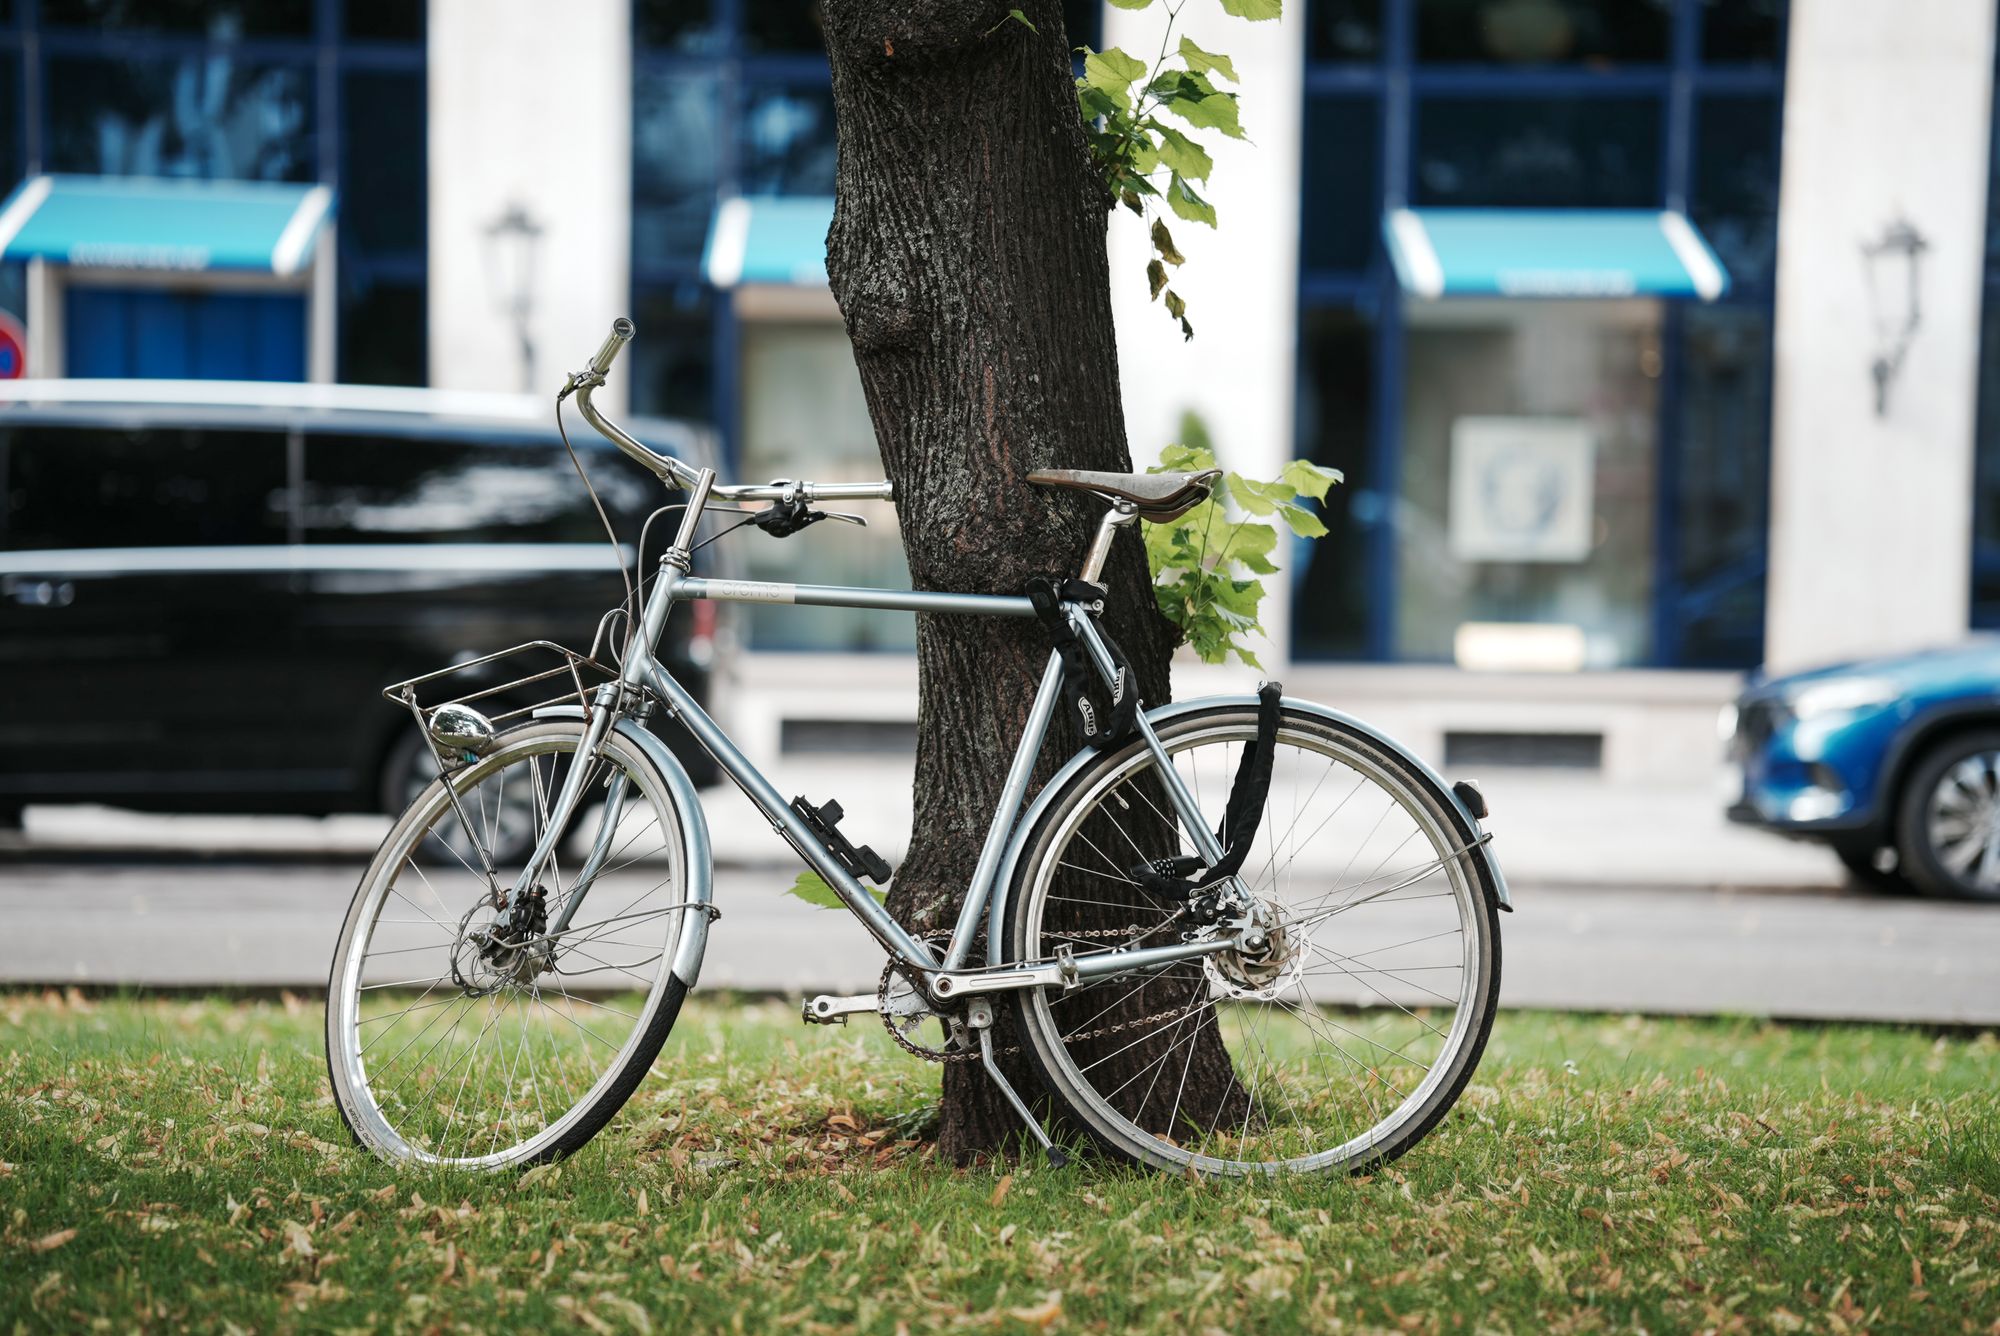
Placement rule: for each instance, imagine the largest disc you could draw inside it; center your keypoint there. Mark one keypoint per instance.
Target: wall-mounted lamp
(1900, 247)
(511, 242)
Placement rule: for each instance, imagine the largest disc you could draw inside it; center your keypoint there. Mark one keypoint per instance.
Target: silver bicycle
(1236, 934)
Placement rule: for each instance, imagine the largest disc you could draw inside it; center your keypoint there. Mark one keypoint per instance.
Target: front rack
(497, 692)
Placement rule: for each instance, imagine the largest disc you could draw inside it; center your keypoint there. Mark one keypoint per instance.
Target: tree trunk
(968, 257)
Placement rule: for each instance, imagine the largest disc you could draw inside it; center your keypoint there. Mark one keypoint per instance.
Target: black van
(205, 586)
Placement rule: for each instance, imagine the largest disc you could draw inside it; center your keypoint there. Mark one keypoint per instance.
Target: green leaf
(1217, 111)
(1111, 73)
(812, 888)
(1163, 242)
(1156, 276)
(1202, 61)
(1309, 479)
(1183, 155)
(1259, 498)
(1257, 11)
(1183, 459)
(1304, 523)
(1175, 306)
(1183, 200)
(1131, 4)
(1015, 15)
(1093, 103)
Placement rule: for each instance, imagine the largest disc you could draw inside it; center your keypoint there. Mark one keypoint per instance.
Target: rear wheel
(1346, 1040)
(462, 1035)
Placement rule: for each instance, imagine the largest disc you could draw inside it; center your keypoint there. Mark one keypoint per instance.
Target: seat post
(1121, 513)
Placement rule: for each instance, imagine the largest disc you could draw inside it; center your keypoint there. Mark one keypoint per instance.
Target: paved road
(268, 921)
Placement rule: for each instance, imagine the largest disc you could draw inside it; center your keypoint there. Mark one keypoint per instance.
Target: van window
(84, 487)
(390, 489)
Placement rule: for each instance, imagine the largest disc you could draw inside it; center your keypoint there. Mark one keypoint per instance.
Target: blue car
(1893, 762)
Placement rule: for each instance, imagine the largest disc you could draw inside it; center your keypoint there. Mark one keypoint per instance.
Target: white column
(1240, 280)
(530, 107)
(1887, 109)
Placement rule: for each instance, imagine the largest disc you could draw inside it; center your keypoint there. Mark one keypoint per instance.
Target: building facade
(1744, 417)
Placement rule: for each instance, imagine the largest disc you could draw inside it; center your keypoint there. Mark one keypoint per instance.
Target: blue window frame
(291, 90)
(1671, 104)
(1986, 435)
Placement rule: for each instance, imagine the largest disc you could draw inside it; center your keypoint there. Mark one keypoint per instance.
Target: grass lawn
(168, 1164)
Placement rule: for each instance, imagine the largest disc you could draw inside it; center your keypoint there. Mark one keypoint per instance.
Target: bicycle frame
(642, 671)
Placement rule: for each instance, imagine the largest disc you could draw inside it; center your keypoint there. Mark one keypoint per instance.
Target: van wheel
(508, 820)
(1948, 827)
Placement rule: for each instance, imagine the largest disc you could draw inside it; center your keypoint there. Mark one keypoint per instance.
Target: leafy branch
(1144, 158)
(1206, 564)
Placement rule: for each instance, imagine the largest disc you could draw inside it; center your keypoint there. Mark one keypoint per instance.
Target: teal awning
(768, 240)
(112, 222)
(1551, 253)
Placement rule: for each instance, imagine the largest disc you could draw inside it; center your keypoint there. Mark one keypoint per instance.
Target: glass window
(804, 416)
(383, 187)
(1336, 395)
(1343, 30)
(1546, 152)
(1721, 483)
(678, 25)
(1743, 30)
(70, 487)
(1527, 491)
(788, 141)
(782, 25)
(1736, 181)
(204, 116)
(673, 364)
(218, 19)
(1986, 474)
(1539, 32)
(674, 166)
(383, 328)
(392, 489)
(1343, 206)
(384, 20)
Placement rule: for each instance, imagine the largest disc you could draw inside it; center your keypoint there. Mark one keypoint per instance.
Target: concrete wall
(530, 107)
(1240, 280)
(1886, 116)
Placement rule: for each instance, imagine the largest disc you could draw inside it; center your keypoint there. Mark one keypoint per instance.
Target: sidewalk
(1550, 829)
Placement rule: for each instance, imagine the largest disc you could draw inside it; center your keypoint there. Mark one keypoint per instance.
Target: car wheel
(1948, 828)
(1864, 864)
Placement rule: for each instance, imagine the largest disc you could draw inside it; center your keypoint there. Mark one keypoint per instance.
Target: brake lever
(842, 516)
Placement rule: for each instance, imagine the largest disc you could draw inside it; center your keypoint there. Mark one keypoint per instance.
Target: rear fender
(1475, 833)
(695, 855)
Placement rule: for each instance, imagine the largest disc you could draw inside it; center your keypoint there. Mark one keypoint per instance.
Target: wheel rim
(1339, 1042)
(1962, 820)
(482, 1052)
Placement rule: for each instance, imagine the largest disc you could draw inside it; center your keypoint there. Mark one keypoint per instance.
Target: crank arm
(835, 1008)
(1068, 971)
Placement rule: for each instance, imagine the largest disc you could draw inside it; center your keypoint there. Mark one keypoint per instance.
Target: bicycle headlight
(1840, 695)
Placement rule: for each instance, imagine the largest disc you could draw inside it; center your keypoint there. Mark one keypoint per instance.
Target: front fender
(695, 855)
(1165, 714)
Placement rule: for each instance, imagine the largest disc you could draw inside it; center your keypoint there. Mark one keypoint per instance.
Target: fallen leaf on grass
(1043, 1313)
(1000, 1190)
(51, 1242)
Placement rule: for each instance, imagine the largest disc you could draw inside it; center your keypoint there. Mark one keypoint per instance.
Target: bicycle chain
(934, 1055)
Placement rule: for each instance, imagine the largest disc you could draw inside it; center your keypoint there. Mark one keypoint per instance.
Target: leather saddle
(1158, 497)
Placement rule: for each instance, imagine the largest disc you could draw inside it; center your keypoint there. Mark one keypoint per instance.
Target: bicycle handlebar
(673, 472)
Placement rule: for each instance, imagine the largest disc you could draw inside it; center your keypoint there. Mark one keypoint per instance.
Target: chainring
(904, 1008)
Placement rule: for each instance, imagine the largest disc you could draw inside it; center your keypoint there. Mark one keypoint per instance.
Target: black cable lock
(1182, 878)
(1099, 723)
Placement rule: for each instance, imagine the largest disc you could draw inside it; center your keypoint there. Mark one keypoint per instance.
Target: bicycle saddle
(1159, 497)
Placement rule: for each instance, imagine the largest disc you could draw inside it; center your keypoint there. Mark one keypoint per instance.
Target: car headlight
(1841, 694)
(1725, 723)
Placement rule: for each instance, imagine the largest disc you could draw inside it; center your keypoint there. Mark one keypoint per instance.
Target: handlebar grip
(621, 334)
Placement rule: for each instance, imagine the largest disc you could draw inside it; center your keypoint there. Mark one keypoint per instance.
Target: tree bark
(967, 254)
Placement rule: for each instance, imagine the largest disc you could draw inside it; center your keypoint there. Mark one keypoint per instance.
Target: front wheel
(1344, 1041)
(462, 1035)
